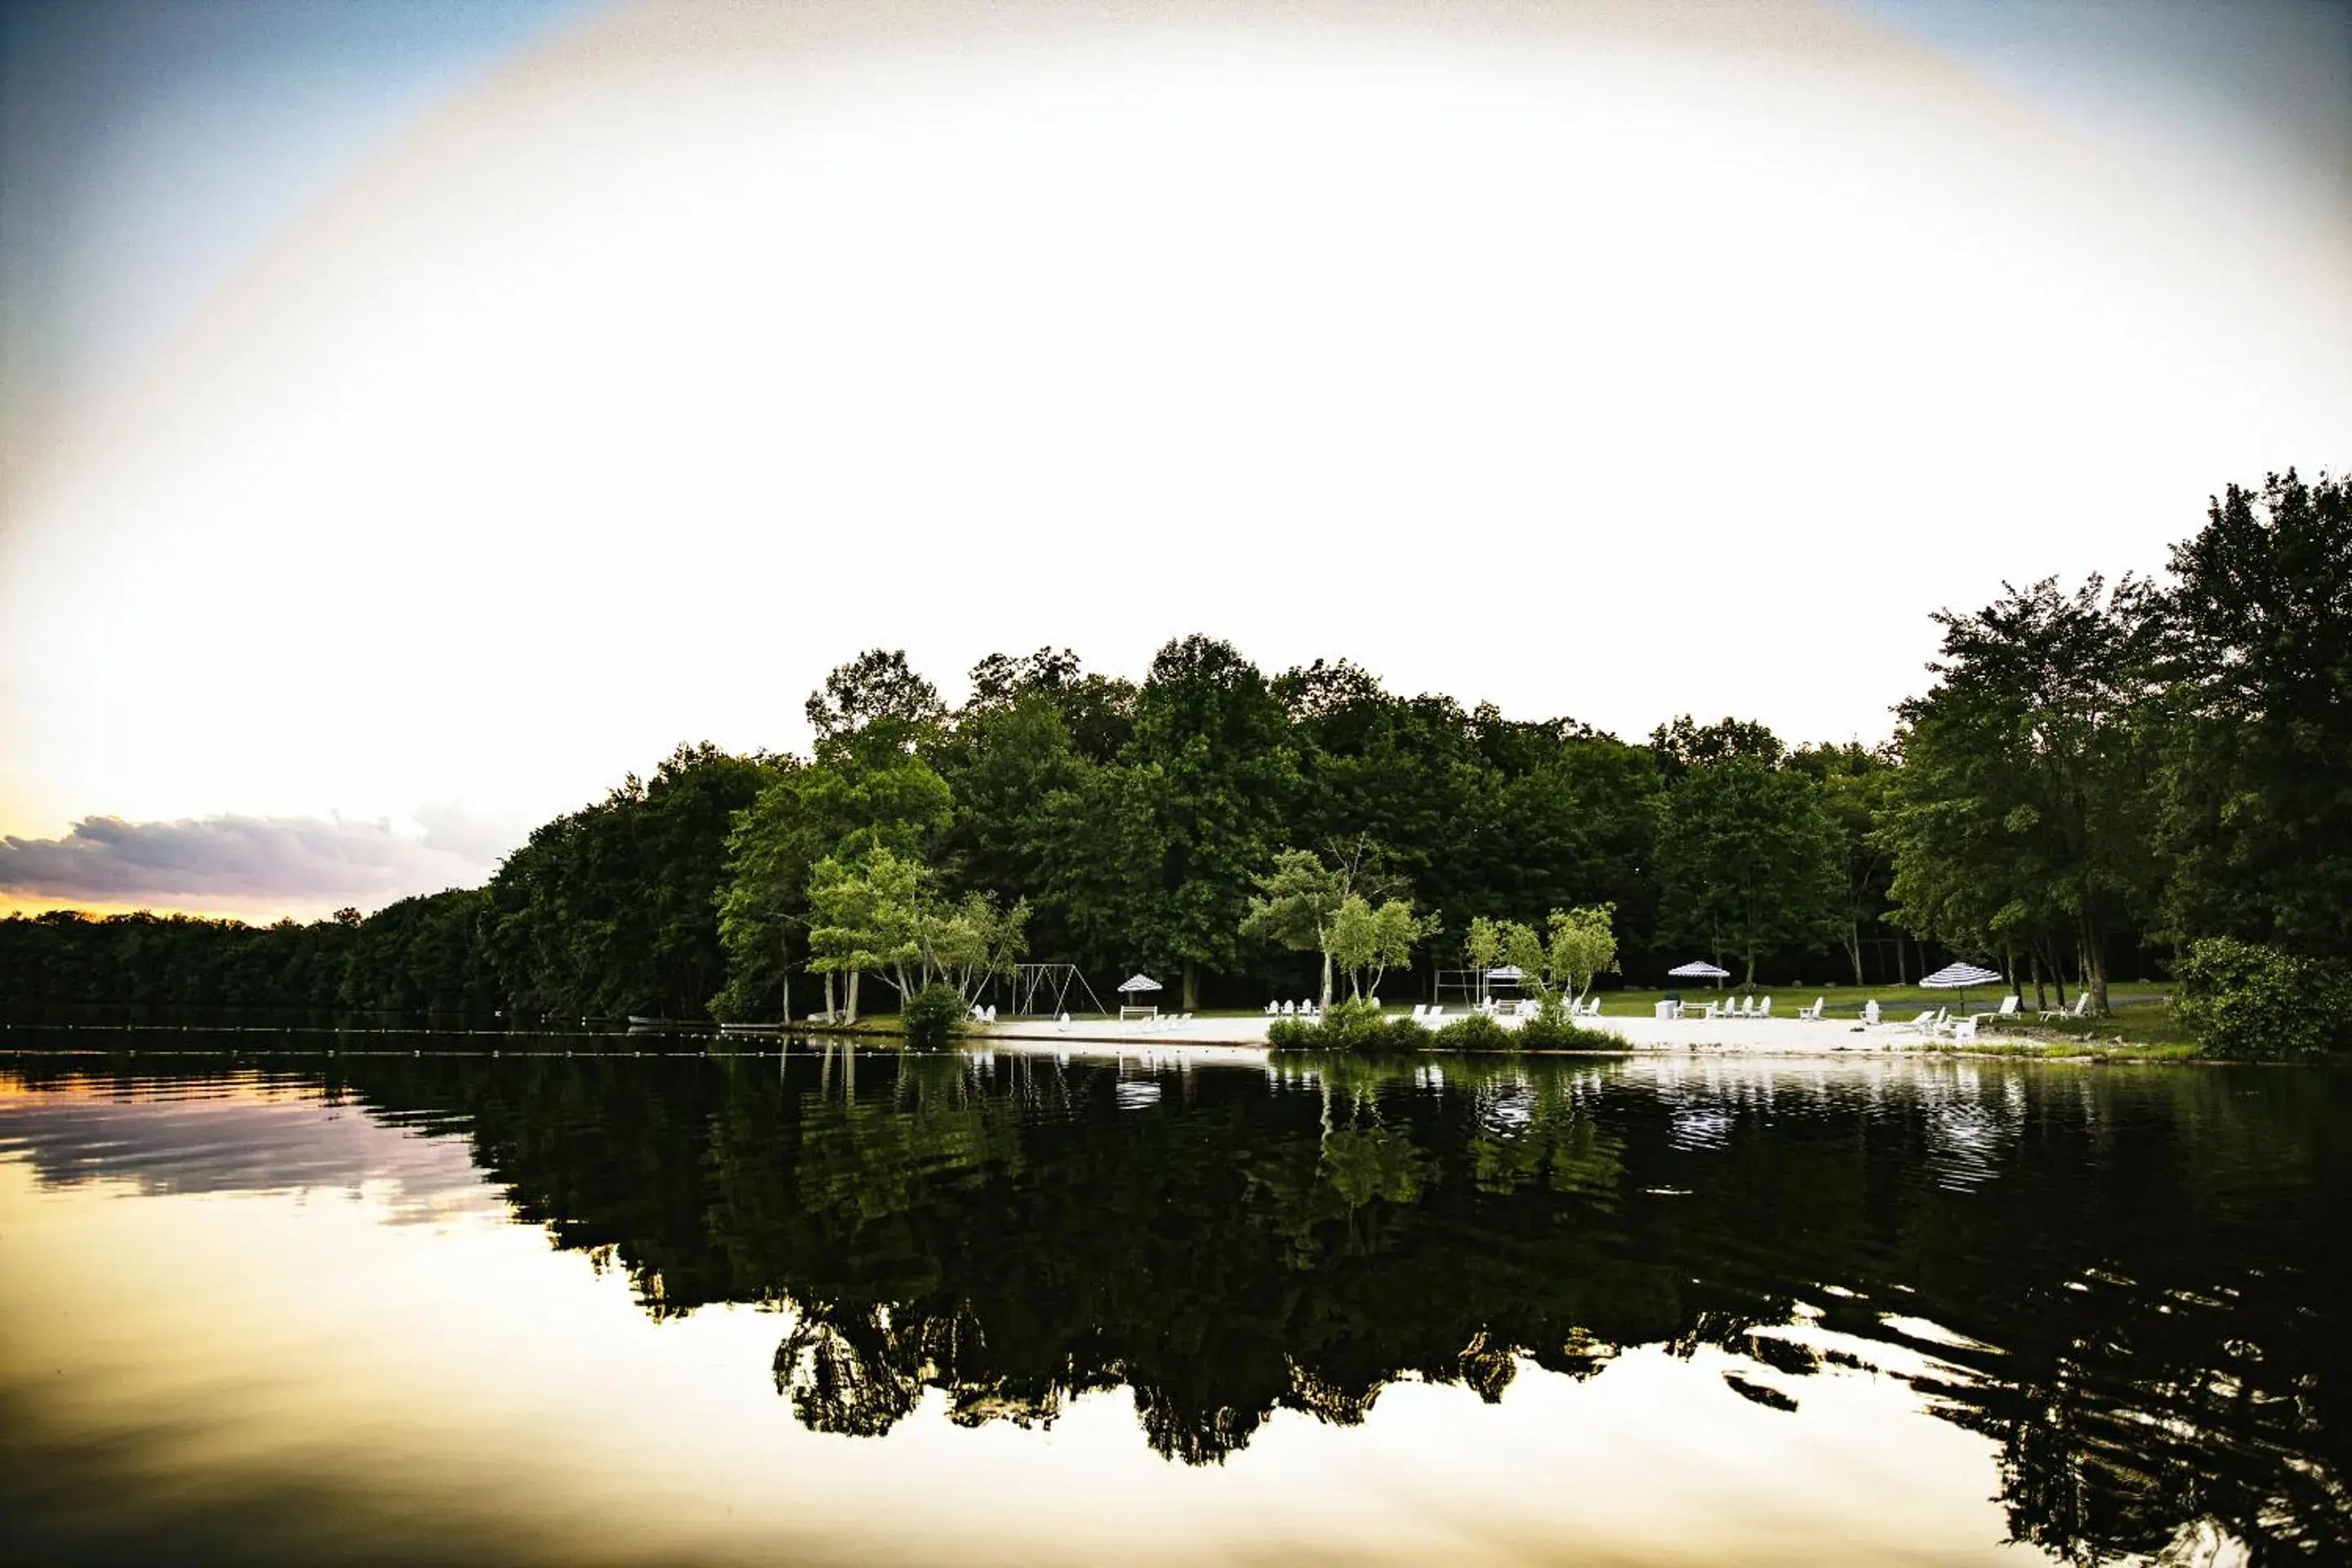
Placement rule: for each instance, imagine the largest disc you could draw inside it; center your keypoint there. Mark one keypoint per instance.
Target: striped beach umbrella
(1960, 977)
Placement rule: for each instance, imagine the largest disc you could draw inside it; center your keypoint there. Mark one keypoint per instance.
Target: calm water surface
(607, 1308)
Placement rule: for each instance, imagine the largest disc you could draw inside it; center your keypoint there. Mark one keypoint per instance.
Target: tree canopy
(2093, 775)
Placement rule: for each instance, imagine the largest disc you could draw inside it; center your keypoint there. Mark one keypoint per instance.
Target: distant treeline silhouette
(2096, 776)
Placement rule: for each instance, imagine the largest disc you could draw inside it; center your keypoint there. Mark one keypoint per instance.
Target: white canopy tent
(1699, 971)
(1508, 974)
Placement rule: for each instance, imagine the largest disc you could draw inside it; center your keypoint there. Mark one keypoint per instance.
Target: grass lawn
(1894, 1001)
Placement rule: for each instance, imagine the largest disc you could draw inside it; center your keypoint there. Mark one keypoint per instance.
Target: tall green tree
(1211, 770)
(613, 909)
(422, 954)
(1295, 906)
(1366, 942)
(877, 687)
(1854, 784)
(867, 791)
(866, 915)
(2022, 808)
(2255, 799)
(1746, 859)
(1019, 759)
(1583, 946)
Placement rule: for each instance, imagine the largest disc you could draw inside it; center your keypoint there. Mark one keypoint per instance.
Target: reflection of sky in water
(231, 1137)
(177, 1305)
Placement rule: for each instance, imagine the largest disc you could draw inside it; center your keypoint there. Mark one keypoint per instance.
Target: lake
(423, 1303)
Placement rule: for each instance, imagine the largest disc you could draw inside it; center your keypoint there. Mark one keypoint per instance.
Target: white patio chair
(1966, 1029)
(1870, 1012)
(2008, 1009)
(1274, 1009)
(1286, 1008)
(1764, 1008)
(2081, 1009)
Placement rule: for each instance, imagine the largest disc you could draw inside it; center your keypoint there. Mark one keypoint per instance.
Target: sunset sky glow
(413, 417)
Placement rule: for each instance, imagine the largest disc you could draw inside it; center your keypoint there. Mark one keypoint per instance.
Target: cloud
(272, 861)
(484, 837)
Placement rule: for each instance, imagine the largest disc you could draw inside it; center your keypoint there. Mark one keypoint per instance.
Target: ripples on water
(2108, 1299)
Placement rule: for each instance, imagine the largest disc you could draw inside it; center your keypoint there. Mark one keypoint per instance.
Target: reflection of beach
(1777, 1037)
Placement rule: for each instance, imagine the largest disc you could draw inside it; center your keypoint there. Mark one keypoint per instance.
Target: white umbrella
(1139, 983)
(1960, 977)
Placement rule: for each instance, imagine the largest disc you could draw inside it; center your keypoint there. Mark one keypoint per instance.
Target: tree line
(2097, 775)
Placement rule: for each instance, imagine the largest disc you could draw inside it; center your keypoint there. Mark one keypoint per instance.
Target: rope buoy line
(8, 1050)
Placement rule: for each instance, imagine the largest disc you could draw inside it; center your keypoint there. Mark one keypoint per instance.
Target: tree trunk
(2041, 994)
(829, 1014)
(1750, 981)
(1327, 979)
(1191, 987)
(1854, 951)
(788, 1001)
(853, 998)
(2094, 966)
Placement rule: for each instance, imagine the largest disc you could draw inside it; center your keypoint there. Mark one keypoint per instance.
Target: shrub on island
(1475, 1032)
(1349, 1026)
(1361, 1026)
(1552, 1029)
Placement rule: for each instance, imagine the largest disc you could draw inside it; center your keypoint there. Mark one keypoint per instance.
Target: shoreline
(1792, 1039)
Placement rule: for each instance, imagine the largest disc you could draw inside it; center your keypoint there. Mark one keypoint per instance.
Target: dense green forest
(2097, 779)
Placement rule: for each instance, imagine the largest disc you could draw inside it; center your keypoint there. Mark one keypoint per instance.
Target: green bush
(1295, 1033)
(1349, 1026)
(1476, 1032)
(931, 1015)
(1552, 1029)
(2251, 1003)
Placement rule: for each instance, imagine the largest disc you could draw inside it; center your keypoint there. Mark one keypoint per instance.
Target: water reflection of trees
(2130, 1265)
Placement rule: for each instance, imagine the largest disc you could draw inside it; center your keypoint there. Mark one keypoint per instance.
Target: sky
(413, 417)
